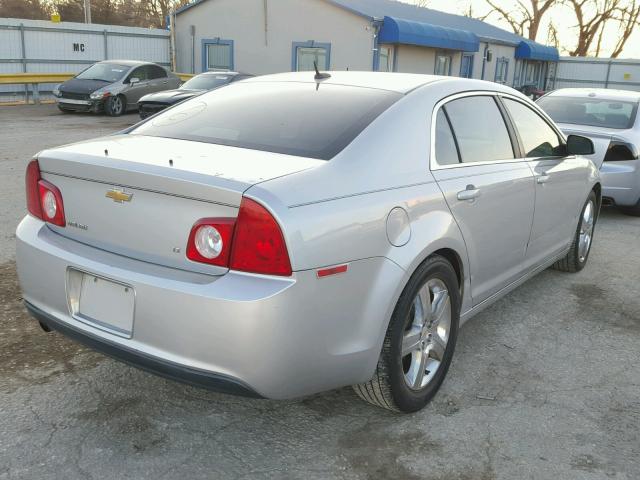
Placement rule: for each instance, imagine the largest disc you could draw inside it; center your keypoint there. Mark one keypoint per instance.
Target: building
(267, 36)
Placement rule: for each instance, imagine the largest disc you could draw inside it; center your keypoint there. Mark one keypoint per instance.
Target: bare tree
(526, 17)
(592, 17)
(628, 18)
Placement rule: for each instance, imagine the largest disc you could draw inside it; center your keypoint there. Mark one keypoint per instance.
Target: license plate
(103, 303)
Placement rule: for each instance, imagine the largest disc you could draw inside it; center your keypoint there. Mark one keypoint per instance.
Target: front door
(559, 181)
(490, 193)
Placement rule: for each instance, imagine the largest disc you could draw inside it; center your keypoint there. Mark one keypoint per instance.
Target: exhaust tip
(45, 327)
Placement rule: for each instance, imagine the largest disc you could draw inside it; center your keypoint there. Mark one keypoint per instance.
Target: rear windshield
(285, 117)
(206, 82)
(595, 112)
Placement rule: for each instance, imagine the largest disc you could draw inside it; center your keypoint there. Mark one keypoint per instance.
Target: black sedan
(154, 102)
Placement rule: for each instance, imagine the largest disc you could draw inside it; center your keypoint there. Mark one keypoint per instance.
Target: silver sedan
(609, 118)
(291, 234)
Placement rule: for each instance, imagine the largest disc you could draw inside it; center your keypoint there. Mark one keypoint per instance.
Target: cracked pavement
(545, 384)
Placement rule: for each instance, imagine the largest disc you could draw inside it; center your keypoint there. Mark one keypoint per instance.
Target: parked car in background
(300, 232)
(610, 118)
(154, 102)
(113, 87)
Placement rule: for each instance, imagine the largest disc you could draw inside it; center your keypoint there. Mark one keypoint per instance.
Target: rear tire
(578, 255)
(415, 357)
(115, 106)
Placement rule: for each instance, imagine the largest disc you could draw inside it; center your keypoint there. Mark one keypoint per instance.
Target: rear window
(302, 119)
(595, 112)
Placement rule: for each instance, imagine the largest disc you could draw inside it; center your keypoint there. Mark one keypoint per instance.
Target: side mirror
(133, 80)
(578, 145)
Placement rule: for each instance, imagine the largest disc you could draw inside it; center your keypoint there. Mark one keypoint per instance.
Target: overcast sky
(562, 17)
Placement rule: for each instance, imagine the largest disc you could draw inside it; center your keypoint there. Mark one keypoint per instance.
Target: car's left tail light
(44, 200)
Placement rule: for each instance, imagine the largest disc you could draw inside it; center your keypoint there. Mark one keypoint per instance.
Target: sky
(562, 17)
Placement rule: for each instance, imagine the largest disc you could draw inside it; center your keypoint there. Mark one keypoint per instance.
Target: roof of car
(397, 82)
(603, 93)
(127, 62)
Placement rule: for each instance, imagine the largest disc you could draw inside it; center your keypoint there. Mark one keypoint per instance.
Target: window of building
(479, 129)
(502, 70)
(446, 150)
(466, 65)
(217, 54)
(305, 53)
(537, 137)
(384, 59)
(443, 65)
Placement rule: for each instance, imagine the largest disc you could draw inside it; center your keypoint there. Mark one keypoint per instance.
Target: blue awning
(408, 32)
(534, 51)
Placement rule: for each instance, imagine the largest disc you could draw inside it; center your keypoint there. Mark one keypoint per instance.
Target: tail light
(620, 151)
(253, 242)
(210, 241)
(44, 200)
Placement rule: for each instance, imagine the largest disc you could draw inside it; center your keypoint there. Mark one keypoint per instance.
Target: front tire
(115, 106)
(578, 255)
(420, 340)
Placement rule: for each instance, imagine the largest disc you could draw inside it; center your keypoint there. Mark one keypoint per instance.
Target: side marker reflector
(325, 272)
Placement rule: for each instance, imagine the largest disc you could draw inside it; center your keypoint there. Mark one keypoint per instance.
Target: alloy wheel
(426, 335)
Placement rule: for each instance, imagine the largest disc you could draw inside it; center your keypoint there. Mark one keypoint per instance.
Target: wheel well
(597, 189)
(454, 260)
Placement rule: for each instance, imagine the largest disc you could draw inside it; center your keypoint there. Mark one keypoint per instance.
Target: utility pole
(87, 11)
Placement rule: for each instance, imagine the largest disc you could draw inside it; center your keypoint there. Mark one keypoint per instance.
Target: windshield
(206, 82)
(106, 72)
(303, 119)
(595, 112)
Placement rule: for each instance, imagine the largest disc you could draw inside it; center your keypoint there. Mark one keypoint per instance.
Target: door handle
(542, 178)
(470, 193)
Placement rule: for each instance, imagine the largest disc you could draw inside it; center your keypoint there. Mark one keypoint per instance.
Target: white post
(87, 11)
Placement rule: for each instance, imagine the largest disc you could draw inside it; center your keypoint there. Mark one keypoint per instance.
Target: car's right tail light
(620, 151)
(253, 242)
(44, 199)
(258, 243)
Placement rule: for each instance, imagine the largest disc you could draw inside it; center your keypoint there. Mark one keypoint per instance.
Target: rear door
(559, 181)
(489, 191)
(158, 78)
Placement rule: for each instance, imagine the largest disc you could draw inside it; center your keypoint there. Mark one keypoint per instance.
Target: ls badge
(118, 196)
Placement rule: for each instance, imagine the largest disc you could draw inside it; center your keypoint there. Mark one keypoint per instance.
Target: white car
(610, 119)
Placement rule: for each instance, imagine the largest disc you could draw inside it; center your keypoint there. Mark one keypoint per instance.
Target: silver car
(293, 233)
(609, 118)
(113, 87)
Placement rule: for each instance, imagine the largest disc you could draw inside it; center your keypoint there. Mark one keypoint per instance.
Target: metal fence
(623, 74)
(39, 46)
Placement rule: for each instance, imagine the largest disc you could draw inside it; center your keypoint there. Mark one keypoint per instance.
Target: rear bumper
(621, 182)
(264, 336)
(159, 366)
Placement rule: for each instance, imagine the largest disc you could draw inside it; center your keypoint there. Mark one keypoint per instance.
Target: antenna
(318, 75)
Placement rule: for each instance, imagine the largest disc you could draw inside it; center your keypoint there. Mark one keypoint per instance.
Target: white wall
(498, 51)
(287, 21)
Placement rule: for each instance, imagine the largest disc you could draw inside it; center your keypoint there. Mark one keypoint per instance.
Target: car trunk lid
(139, 196)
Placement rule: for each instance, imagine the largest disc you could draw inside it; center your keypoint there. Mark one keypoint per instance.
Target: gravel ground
(544, 385)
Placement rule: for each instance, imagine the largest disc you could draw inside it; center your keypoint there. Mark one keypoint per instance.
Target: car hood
(76, 85)
(601, 137)
(171, 96)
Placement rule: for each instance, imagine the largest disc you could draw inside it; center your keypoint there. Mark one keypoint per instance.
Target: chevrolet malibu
(295, 233)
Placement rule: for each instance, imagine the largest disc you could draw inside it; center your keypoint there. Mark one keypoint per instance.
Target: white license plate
(101, 302)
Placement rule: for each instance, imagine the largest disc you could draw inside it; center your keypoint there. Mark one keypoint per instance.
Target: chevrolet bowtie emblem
(118, 195)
